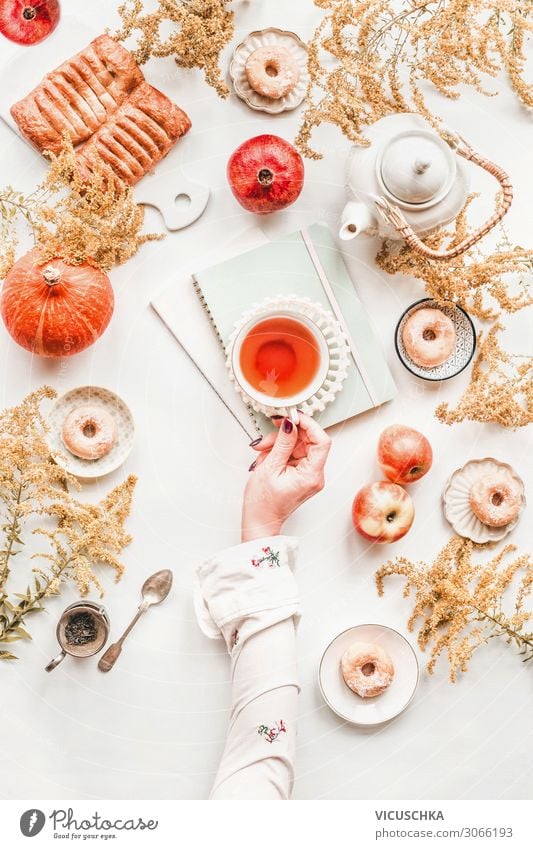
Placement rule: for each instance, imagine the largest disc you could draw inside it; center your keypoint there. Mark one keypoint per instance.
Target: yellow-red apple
(382, 511)
(404, 454)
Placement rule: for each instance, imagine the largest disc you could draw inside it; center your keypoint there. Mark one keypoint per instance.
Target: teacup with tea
(280, 360)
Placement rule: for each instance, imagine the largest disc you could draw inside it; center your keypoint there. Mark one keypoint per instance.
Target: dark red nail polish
(252, 467)
(287, 426)
(256, 441)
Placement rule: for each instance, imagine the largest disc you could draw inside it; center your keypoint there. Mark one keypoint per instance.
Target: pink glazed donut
(272, 71)
(429, 337)
(367, 669)
(89, 432)
(496, 499)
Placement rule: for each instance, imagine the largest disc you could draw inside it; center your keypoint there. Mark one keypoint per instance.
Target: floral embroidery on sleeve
(272, 734)
(267, 556)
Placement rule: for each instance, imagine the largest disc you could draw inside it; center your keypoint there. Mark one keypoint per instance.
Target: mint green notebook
(305, 264)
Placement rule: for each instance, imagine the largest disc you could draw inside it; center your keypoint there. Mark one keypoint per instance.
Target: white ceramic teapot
(409, 181)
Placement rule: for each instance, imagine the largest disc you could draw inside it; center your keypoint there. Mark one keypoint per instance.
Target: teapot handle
(394, 216)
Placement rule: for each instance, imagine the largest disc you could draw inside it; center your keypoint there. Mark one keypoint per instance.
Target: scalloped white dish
(272, 36)
(456, 501)
(379, 709)
(114, 405)
(335, 340)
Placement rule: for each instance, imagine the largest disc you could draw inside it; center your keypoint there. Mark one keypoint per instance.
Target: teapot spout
(356, 220)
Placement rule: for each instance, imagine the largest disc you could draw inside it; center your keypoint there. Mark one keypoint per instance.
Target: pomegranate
(28, 21)
(265, 174)
(404, 454)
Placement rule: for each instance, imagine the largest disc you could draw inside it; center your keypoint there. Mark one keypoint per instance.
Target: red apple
(404, 454)
(265, 174)
(28, 21)
(382, 512)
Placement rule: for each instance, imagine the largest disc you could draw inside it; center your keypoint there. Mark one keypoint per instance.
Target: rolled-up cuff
(252, 581)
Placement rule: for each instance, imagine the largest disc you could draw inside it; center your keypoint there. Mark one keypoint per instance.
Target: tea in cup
(280, 360)
(82, 631)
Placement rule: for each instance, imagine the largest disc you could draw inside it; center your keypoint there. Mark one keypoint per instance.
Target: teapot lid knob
(417, 167)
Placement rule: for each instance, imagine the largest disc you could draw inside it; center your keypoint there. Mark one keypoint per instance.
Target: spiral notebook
(305, 264)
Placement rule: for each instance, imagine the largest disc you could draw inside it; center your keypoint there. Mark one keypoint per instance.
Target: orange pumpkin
(54, 309)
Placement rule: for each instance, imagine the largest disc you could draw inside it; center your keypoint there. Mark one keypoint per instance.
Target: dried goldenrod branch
(78, 535)
(460, 602)
(201, 29)
(372, 57)
(500, 388)
(96, 222)
(483, 285)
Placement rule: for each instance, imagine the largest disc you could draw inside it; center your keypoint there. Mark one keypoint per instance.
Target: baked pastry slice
(78, 96)
(137, 136)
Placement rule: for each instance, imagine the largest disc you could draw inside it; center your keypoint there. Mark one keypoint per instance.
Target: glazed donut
(496, 499)
(89, 432)
(429, 337)
(272, 71)
(367, 669)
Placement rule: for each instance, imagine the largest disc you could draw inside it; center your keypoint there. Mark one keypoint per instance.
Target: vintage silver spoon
(154, 590)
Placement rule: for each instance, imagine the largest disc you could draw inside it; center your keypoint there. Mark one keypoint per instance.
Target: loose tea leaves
(81, 629)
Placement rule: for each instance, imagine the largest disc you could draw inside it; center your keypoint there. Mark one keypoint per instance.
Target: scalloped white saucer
(337, 348)
(272, 36)
(456, 501)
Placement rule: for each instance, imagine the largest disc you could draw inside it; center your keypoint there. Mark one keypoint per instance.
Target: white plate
(397, 696)
(268, 38)
(456, 501)
(123, 420)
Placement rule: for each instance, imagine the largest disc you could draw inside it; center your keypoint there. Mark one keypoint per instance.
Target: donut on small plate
(89, 432)
(367, 669)
(429, 337)
(496, 499)
(272, 71)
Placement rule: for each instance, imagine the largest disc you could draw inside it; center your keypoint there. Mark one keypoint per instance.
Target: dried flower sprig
(200, 30)
(484, 285)
(15, 206)
(460, 602)
(500, 388)
(96, 222)
(78, 536)
(384, 52)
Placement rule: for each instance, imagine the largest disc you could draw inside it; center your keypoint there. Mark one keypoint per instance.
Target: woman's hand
(288, 471)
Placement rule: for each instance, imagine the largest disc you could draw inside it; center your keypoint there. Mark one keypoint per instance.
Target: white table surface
(155, 726)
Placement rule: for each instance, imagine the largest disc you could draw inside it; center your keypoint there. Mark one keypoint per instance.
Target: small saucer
(330, 328)
(125, 431)
(380, 709)
(456, 501)
(465, 341)
(271, 37)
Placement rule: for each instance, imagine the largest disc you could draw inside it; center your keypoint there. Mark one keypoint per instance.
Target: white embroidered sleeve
(248, 596)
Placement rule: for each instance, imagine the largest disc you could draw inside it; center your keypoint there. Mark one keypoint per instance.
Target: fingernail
(252, 467)
(275, 418)
(256, 441)
(287, 426)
